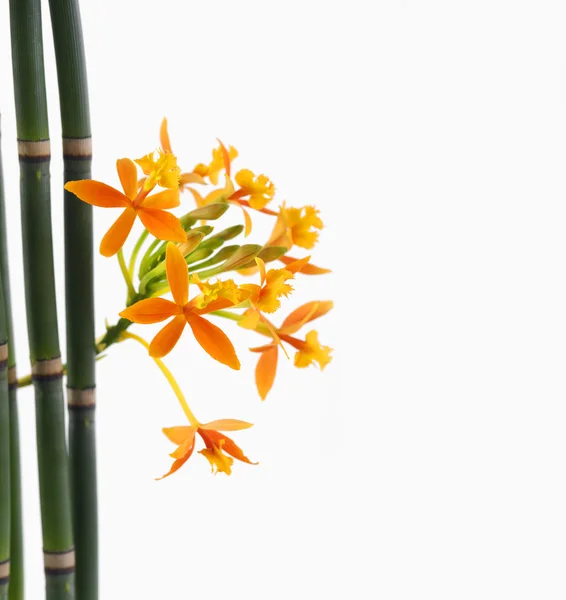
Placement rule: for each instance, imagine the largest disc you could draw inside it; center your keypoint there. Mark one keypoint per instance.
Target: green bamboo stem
(41, 309)
(16, 588)
(79, 292)
(4, 455)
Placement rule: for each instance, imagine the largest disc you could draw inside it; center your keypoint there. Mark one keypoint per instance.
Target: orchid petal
(213, 340)
(305, 314)
(97, 193)
(162, 225)
(265, 371)
(164, 199)
(167, 337)
(178, 434)
(115, 237)
(164, 136)
(226, 425)
(177, 274)
(151, 310)
(128, 173)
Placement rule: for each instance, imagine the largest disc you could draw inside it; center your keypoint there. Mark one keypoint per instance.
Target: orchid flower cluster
(181, 255)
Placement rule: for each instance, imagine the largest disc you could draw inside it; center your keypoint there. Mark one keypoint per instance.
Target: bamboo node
(81, 398)
(12, 376)
(77, 147)
(29, 149)
(4, 569)
(59, 561)
(3, 352)
(47, 369)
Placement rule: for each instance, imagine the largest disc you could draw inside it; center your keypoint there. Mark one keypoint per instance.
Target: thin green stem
(144, 264)
(126, 275)
(153, 274)
(135, 252)
(226, 314)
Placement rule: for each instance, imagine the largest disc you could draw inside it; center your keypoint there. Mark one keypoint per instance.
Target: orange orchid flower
(266, 296)
(296, 227)
(219, 449)
(150, 209)
(221, 157)
(308, 352)
(254, 192)
(213, 340)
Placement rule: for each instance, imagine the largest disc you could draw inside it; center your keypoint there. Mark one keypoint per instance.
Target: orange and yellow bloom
(308, 352)
(219, 450)
(213, 297)
(266, 296)
(296, 227)
(136, 203)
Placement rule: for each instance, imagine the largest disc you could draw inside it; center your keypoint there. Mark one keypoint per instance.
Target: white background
(428, 460)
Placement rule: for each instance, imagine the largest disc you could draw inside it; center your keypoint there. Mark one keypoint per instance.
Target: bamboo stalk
(16, 589)
(79, 292)
(4, 455)
(47, 373)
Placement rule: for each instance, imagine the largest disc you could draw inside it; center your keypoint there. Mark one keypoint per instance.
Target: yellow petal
(191, 178)
(117, 234)
(164, 136)
(247, 219)
(167, 337)
(164, 199)
(151, 310)
(198, 198)
(213, 341)
(128, 174)
(250, 319)
(265, 371)
(261, 267)
(226, 157)
(97, 193)
(177, 274)
(162, 225)
(226, 425)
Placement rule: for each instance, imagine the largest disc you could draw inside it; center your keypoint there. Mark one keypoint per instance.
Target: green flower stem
(226, 314)
(153, 274)
(126, 275)
(41, 309)
(146, 258)
(135, 252)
